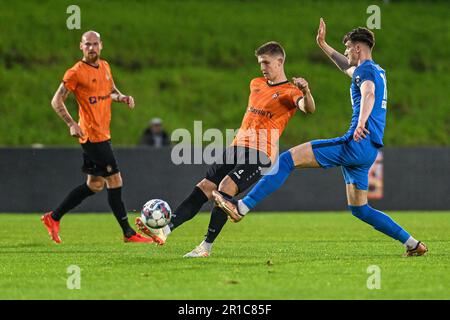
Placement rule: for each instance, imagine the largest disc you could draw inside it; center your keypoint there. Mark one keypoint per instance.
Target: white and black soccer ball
(156, 213)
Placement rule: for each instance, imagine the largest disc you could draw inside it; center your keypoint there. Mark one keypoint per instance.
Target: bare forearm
(59, 106)
(116, 95)
(367, 102)
(308, 101)
(62, 112)
(340, 61)
(338, 58)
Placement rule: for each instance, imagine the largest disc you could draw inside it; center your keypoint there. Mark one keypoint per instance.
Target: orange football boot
(52, 226)
(138, 238)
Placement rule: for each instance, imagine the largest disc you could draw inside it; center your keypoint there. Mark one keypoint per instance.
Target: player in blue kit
(354, 152)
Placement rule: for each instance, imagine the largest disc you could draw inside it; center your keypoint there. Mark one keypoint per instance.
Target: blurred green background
(193, 60)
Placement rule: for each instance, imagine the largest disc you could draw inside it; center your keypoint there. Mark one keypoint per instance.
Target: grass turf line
(266, 256)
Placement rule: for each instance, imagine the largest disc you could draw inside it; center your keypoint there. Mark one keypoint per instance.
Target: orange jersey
(92, 87)
(269, 109)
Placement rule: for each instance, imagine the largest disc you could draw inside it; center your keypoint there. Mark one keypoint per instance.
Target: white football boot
(203, 250)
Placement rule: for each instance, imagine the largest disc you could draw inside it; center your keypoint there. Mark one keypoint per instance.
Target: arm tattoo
(59, 106)
(63, 92)
(62, 112)
(115, 94)
(340, 60)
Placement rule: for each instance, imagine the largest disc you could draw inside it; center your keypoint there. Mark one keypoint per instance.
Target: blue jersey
(369, 70)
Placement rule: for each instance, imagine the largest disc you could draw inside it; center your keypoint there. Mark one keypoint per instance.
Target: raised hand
(321, 32)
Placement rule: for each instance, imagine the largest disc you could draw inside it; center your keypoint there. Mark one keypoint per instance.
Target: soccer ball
(156, 213)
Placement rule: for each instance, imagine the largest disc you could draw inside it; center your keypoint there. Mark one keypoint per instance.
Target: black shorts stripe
(327, 144)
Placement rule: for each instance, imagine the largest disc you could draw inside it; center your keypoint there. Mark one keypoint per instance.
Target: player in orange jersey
(91, 82)
(272, 102)
(354, 152)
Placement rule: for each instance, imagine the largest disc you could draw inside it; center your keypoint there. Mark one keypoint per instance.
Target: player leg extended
(358, 205)
(241, 168)
(300, 156)
(52, 219)
(201, 194)
(227, 188)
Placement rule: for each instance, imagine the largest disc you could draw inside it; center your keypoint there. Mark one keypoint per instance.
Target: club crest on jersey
(275, 95)
(238, 174)
(358, 80)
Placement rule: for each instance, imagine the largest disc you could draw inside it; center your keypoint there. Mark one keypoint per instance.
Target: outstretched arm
(306, 104)
(60, 108)
(338, 58)
(116, 95)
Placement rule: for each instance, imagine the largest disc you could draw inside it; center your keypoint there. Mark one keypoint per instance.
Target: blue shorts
(355, 158)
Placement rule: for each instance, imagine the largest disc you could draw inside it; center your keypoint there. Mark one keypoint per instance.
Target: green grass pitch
(266, 256)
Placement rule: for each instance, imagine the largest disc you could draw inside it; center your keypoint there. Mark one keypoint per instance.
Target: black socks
(73, 199)
(188, 208)
(77, 195)
(217, 221)
(191, 206)
(117, 206)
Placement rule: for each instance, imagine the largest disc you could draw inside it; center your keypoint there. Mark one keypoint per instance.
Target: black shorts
(243, 165)
(99, 159)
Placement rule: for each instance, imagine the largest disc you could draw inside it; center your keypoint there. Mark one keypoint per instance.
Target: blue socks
(271, 181)
(278, 175)
(380, 222)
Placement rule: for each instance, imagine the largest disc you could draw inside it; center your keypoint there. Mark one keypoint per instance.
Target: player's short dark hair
(360, 34)
(271, 48)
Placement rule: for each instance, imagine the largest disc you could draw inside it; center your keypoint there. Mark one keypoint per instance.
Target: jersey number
(384, 103)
